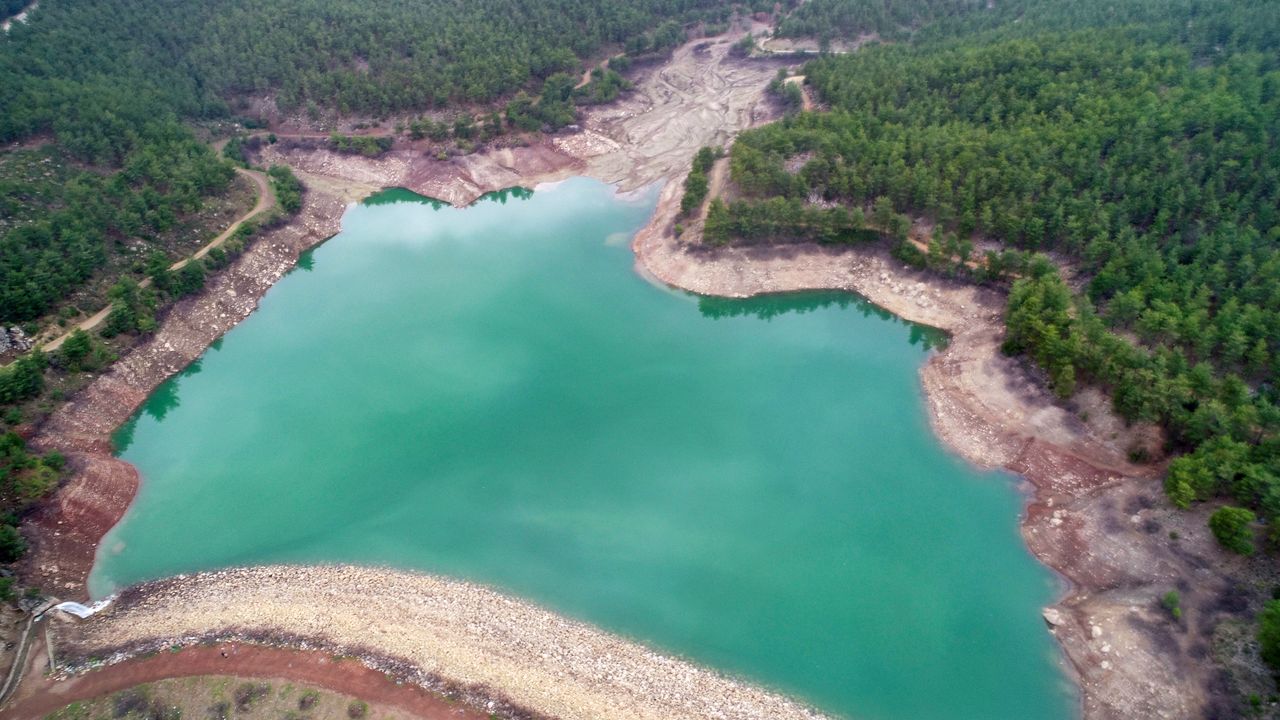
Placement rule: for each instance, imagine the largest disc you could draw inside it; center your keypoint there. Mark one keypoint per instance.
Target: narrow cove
(492, 393)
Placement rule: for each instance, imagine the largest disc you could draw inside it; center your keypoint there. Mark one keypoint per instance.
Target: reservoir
(492, 393)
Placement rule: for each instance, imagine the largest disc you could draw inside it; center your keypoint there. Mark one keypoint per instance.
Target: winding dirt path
(266, 201)
(46, 695)
(586, 74)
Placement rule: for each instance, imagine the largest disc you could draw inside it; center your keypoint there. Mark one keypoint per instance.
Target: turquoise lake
(492, 393)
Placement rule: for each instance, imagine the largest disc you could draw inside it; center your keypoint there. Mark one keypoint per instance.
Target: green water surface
(493, 394)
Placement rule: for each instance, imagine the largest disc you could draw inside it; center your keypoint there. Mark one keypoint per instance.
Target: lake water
(492, 393)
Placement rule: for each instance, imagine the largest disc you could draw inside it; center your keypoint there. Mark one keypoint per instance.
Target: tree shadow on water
(767, 307)
(501, 196)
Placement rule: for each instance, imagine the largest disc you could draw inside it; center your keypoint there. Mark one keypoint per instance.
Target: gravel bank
(428, 628)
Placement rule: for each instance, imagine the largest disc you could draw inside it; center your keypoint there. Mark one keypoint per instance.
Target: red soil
(38, 698)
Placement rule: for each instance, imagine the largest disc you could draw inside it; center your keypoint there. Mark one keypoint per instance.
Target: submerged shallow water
(492, 393)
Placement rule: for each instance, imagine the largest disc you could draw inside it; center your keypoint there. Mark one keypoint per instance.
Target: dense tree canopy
(828, 19)
(368, 57)
(112, 81)
(1136, 140)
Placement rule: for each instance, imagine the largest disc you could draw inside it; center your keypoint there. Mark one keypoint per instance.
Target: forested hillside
(369, 57)
(9, 8)
(100, 165)
(829, 19)
(111, 84)
(1136, 140)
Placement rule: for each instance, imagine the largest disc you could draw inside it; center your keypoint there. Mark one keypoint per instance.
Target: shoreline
(1085, 503)
(984, 407)
(454, 638)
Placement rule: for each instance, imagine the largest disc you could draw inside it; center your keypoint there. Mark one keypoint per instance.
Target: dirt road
(44, 695)
(806, 97)
(266, 201)
(647, 137)
(21, 16)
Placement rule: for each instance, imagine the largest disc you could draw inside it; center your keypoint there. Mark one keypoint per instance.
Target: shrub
(357, 709)
(287, 187)
(55, 460)
(1269, 634)
(12, 544)
(247, 694)
(190, 279)
(23, 379)
(1232, 526)
(76, 347)
(1173, 603)
(35, 483)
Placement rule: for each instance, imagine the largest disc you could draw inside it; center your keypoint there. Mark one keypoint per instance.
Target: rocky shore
(1097, 519)
(66, 530)
(454, 637)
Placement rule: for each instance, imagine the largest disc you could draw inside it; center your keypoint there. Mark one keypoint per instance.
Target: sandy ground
(1090, 517)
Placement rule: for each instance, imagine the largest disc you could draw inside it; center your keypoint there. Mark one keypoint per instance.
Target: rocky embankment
(65, 532)
(499, 653)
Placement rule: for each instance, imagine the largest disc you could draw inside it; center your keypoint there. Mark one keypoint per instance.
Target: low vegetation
(214, 697)
(366, 145)
(1233, 528)
(97, 94)
(25, 478)
(695, 184)
(1269, 634)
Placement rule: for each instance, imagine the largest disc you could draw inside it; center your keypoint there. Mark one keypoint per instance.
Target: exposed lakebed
(492, 393)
